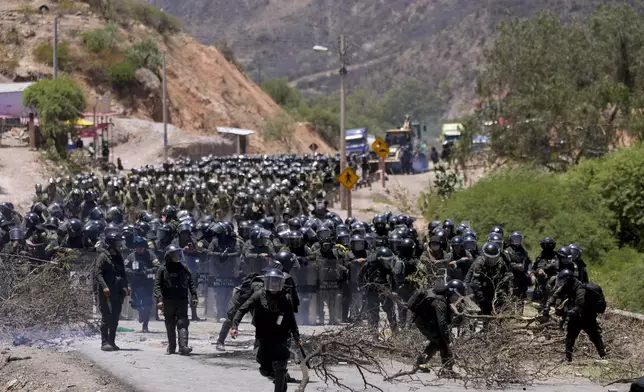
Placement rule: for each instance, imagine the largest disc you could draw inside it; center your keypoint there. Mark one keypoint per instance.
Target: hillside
(204, 89)
(429, 40)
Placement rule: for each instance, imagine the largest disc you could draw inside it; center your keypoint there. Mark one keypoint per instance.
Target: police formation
(253, 234)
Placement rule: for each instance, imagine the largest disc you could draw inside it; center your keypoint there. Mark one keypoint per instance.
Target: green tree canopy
(563, 90)
(56, 101)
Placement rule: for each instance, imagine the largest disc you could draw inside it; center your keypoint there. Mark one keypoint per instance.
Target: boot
(280, 381)
(105, 336)
(184, 349)
(172, 337)
(112, 335)
(225, 329)
(193, 310)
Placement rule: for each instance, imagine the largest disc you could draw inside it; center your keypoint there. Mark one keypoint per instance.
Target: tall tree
(554, 92)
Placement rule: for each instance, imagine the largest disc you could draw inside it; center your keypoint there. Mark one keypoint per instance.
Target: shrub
(280, 128)
(536, 203)
(121, 75)
(12, 36)
(283, 94)
(228, 53)
(155, 18)
(621, 274)
(44, 53)
(98, 40)
(145, 54)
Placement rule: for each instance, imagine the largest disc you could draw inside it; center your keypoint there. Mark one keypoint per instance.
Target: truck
(398, 138)
(356, 140)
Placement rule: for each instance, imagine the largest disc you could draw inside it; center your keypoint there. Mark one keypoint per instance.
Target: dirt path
(20, 170)
(51, 371)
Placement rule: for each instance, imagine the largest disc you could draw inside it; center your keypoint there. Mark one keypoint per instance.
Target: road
(141, 363)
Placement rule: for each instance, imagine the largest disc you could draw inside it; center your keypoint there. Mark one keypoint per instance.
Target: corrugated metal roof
(235, 131)
(14, 87)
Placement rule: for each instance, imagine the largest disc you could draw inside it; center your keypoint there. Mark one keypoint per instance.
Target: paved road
(142, 364)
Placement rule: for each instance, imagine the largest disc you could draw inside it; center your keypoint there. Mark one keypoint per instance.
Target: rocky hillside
(389, 41)
(204, 89)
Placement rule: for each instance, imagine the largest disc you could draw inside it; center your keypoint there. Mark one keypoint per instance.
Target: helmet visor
(273, 284)
(176, 256)
(516, 239)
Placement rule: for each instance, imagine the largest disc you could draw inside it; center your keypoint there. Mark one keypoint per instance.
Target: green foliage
(145, 54)
(121, 75)
(284, 95)
(280, 128)
(598, 204)
(619, 180)
(98, 40)
(44, 53)
(123, 11)
(537, 203)
(446, 181)
(56, 101)
(564, 89)
(620, 275)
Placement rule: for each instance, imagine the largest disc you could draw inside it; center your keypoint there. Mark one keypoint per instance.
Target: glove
(195, 302)
(160, 306)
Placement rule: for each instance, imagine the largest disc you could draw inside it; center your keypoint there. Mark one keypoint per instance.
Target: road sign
(313, 147)
(348, 178)
(380, 147)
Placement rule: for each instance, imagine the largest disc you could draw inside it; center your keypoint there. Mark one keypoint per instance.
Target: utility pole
(165, 114)
(55, 47)
(345, 200)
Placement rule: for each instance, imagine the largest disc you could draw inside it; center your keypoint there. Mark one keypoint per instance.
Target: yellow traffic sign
(380, 147)
(348, 178)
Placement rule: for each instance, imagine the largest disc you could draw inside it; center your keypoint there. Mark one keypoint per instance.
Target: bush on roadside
(620, 274)
(537, 203)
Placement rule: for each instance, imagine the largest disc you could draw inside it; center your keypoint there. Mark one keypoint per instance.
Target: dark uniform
(172, 287)
(274, 324)
(432, 315)
(376, 278)
(112, 283)
(489, 278)
(581, 316)
(141, 269)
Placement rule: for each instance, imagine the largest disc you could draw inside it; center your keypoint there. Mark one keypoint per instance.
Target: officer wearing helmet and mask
(257, 250)
(376, 279)
(275, 323)
(113, 286)
(332, 272)
(436, 258)
(490, 279)
(141, 267)
(357, 256)
(580, 311)
(193, 251)
(432, 314)
(405, 268)
(519, 264)
(543, 269)
(173, 287)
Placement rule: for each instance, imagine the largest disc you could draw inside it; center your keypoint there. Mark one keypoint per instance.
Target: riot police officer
(142, 267)
(377, 280)
(172, 288)
(274, 325)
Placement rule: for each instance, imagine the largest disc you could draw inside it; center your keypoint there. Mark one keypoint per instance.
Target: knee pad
(183, 323)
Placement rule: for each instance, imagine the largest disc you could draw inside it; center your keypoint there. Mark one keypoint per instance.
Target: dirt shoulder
(47, 370)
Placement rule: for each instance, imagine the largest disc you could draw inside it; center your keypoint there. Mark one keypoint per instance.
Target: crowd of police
(255, 234)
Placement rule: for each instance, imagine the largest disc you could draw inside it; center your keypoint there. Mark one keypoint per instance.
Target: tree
(552, 93)
(283, 94)
(280, 128)
(56, 101)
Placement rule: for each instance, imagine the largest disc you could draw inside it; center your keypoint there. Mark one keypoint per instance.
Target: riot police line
(231, 221)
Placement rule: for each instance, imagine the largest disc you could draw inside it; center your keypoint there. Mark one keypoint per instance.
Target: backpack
(595, 298)
(245, 289)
